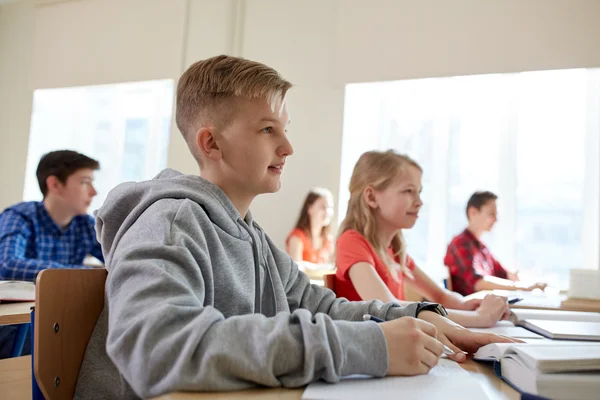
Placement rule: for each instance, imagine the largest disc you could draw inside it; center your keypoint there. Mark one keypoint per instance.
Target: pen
(368, 317)
(515, 300)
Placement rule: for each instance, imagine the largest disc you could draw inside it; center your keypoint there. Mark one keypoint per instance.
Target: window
(124, 126)
(532, 138)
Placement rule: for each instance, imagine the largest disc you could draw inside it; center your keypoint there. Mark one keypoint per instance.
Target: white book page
(494, 351)
(510, 331)
(552, 315)
(447, 381)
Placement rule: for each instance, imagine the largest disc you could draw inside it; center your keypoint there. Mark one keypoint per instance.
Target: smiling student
(198, 298)
(371, 256)
(472, 266)
(310, 243)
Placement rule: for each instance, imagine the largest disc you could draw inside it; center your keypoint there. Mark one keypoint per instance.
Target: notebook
(447, 381)
(17, 291)
(565, 325)
(518, 315)
(564, 330)
(557, 370)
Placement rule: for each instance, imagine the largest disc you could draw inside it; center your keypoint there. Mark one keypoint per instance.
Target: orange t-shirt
(352, 248)
(309, 254)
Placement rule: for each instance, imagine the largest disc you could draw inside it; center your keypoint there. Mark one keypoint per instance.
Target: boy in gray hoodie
(197, 296)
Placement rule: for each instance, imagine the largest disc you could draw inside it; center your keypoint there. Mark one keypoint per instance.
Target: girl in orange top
(310, 244)
(371, 258)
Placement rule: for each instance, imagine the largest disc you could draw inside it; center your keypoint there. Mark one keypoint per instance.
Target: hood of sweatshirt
(126, 202)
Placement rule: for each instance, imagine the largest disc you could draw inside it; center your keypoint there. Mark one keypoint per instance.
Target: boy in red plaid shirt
(472, 266)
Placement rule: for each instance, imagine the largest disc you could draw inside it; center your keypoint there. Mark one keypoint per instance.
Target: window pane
(551, 140)
(528, 137)
(124, 126)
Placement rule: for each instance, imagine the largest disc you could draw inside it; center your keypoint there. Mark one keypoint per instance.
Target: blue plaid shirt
(31, 242)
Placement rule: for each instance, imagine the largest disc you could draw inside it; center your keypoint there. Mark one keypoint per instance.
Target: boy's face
(77, 192)
(486, 217)
(254, 147)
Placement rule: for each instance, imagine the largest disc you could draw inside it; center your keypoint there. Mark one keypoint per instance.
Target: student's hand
(537, 285)
(461, 339)
(471, 305)
(492, 308)
(412, 346)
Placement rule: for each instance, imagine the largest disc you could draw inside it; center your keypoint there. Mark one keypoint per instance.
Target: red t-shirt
(352, 248)
(309, 254)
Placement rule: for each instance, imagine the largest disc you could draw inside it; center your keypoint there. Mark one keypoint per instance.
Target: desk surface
(15, 378)
(495, 388)
(15, 382)
(16, 313)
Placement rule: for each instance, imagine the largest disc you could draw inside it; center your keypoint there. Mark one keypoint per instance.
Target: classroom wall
(320, 45)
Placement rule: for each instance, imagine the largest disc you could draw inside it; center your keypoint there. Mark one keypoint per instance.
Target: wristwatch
(435, 307)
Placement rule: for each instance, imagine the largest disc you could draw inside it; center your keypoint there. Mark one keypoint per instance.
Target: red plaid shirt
(469, 261)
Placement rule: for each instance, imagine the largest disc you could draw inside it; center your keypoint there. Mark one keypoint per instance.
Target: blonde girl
(371, 256)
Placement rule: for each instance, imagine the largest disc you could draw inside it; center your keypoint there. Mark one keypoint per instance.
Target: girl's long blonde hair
(376, 169)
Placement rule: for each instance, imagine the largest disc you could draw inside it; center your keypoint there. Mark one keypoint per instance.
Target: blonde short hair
(206, 89)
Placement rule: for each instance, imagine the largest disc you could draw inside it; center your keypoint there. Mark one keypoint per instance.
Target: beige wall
(16, 38)
(319, 45)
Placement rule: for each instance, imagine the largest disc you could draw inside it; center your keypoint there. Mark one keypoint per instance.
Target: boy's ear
(370, 197)
(207, 143)
(471, 212)
(53, 184)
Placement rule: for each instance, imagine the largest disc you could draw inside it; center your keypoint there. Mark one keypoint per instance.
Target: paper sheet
(447, 381)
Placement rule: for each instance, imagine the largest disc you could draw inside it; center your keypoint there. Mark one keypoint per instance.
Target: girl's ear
(370, 197)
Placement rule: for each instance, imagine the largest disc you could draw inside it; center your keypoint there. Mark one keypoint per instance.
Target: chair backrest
(68, 303)
(329, 281)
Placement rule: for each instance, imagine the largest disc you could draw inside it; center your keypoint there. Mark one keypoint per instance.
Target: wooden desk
(16, 313)
(15, 383)
(494, 387)
(15, 378)
(580, 305)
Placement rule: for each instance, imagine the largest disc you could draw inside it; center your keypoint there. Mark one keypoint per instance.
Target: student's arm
(369, 286)
(319, 299)
(474, 313)
(15, 235)
(433, 292)
(294, 248)
(491, 283)
(165, 336)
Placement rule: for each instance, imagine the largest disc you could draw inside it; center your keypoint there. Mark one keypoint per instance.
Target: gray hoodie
(199, 299)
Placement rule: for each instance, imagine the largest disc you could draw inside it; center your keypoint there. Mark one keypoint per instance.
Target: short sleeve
(296, 233)
(499, 270)
(352, 248)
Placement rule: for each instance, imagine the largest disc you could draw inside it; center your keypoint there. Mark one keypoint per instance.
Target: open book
(17, 291)
(557, 370)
